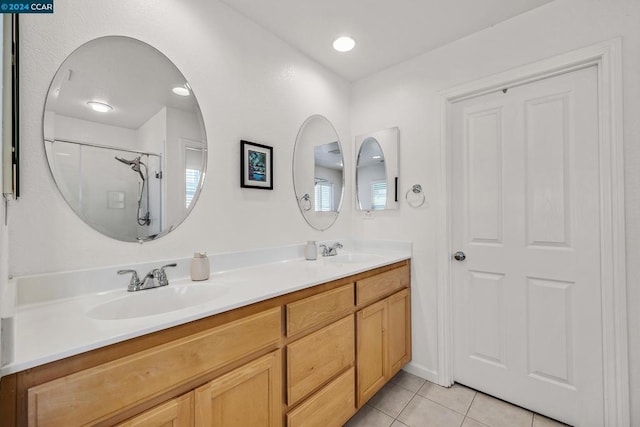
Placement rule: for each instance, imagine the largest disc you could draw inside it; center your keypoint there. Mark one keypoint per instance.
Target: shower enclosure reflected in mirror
(125, 138)
(318, 172)
(377, 170)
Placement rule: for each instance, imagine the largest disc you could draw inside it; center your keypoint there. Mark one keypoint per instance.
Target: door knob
(459, 256)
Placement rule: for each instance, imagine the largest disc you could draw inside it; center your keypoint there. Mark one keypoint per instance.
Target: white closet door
(525, 212)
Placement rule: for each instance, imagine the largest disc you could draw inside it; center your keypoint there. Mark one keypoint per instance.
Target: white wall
(250, 85)
(407, 96)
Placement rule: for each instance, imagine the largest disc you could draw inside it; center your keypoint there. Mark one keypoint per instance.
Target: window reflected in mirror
(328, 174)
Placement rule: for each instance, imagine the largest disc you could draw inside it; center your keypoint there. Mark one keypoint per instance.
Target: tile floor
(410, 401)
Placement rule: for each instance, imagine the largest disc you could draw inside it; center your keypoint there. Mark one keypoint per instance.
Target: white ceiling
(387, 32)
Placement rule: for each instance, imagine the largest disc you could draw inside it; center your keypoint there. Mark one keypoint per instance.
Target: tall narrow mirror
(318, 172)
(377, 170)
(9, 107)
(125, 139)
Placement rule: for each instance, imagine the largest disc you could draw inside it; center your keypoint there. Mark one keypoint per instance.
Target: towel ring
(305, 202)
(416, 189)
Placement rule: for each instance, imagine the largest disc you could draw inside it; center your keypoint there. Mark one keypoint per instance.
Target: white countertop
(52, 330)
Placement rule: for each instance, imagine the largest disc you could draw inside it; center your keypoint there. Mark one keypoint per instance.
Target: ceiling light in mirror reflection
(100, 107)
(344, 44)
(181, 90)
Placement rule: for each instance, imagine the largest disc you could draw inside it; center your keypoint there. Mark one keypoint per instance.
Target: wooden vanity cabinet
(320, 362)
(248, 396)
(384, 342)
(98, 394)
(304, 359)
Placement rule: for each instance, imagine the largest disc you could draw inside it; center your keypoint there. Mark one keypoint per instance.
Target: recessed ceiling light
(344, 44)
(100, 107)
(376, 157)
(181, 90)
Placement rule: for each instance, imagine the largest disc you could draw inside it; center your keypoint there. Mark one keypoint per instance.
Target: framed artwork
(256, 166)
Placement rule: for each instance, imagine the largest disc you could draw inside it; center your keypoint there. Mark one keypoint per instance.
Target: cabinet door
(176, 412)
(371, 350)
(250, 396)
(398, 331)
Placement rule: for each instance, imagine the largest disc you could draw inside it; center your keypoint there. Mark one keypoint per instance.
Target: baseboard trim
(421, 371)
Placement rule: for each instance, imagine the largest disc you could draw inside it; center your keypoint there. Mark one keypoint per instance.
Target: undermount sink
(352, 258)
(156, 301)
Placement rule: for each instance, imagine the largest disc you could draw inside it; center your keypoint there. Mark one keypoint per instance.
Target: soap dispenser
(311, 251)
(199, 266)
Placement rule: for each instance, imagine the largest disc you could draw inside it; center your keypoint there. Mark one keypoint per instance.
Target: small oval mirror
(318, 172)
(377, 170)
(371, 176)
(125, 138)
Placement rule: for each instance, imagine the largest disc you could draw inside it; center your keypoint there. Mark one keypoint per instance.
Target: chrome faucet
(330, 250)
(153, 279)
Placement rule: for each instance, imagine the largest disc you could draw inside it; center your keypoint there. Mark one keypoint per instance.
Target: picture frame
(256, 165)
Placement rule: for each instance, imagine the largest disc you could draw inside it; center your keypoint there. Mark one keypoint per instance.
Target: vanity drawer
(330, 407)
(316, 358)
(98, 393)
(319, 309)
(373, 288)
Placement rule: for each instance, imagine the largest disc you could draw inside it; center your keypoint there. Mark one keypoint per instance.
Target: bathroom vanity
(310, 357)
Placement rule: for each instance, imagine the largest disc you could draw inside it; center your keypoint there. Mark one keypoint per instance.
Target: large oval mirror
(125, 138)
(377, 170)
(318, 172)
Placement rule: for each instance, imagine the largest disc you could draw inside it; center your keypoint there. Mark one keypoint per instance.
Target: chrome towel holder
(305, 202)
(419, 198)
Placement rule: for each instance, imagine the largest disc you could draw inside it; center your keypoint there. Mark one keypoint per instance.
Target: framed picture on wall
(256, 166)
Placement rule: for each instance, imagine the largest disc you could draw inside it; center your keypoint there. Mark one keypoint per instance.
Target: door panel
(486, 318)
(549, 331)
(525, 210)
(547, 136)
(484, 145)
